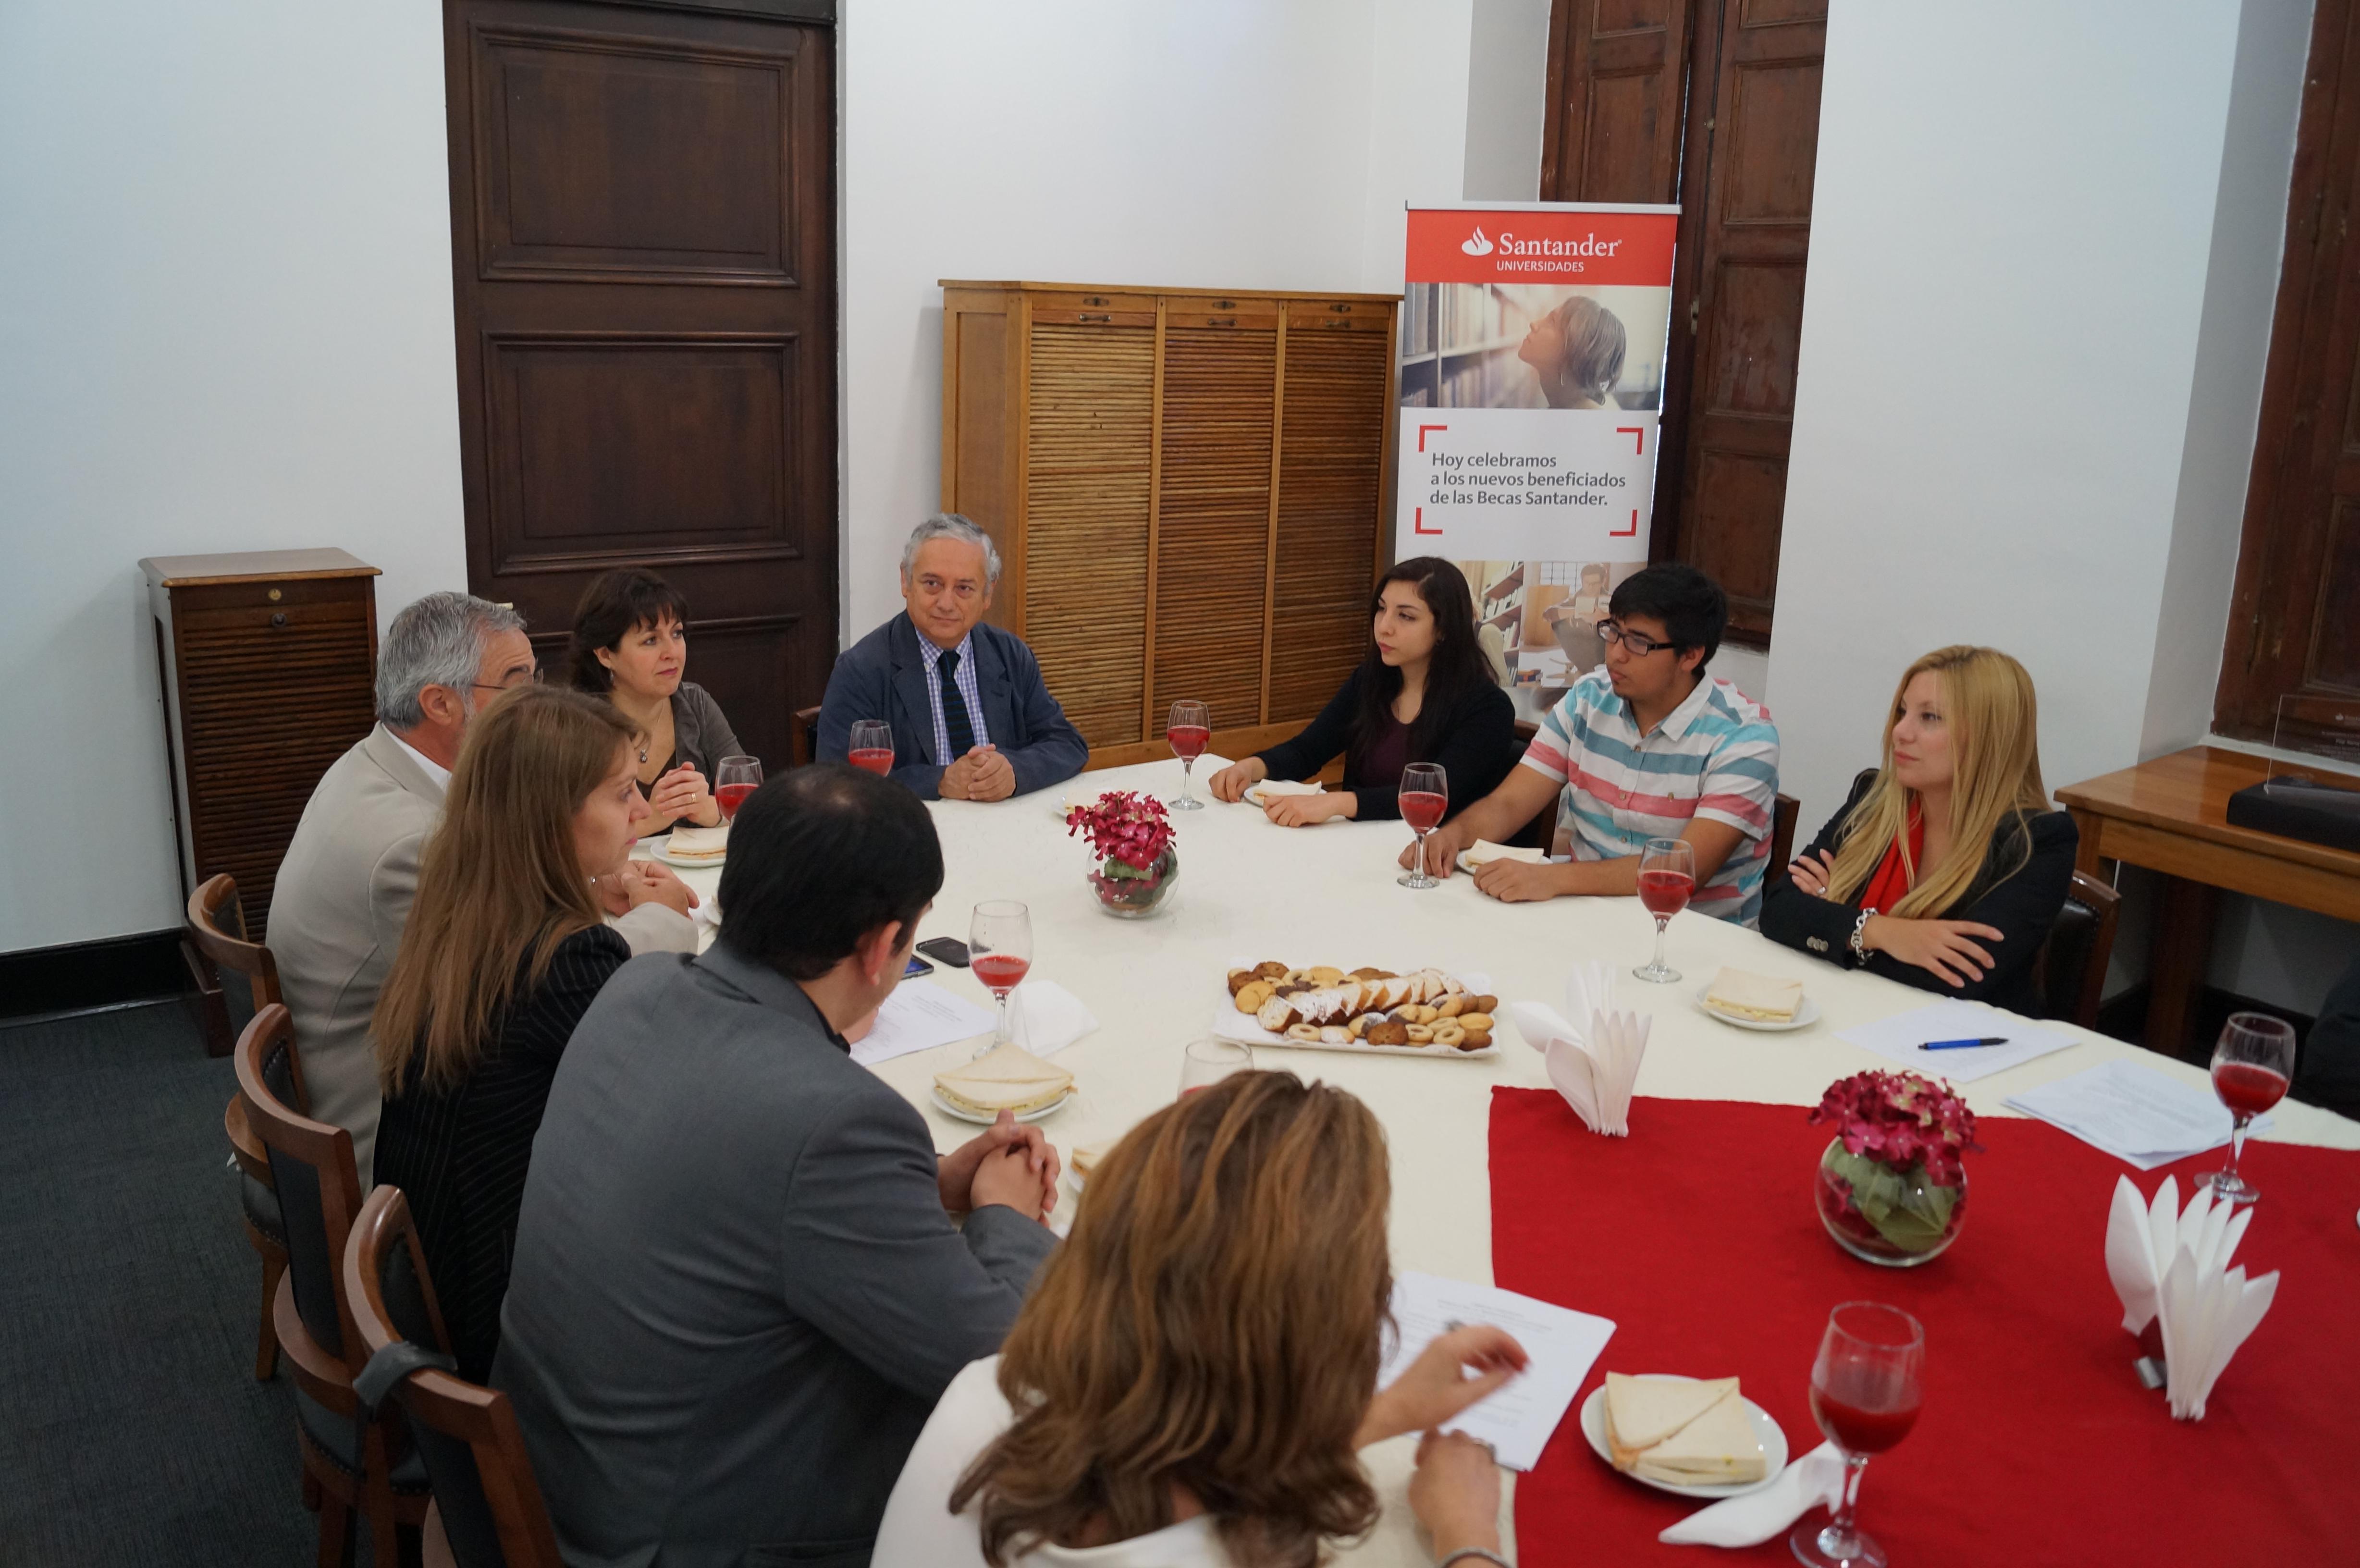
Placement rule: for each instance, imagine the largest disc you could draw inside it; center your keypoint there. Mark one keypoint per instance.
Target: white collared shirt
(434, 770)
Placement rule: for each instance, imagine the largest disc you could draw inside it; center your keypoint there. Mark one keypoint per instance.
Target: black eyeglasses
(534, 679)
(1640, 647)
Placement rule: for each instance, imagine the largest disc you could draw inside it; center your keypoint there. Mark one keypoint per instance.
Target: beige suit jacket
(342, 896)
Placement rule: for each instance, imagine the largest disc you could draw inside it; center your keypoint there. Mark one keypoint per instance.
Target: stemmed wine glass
(1207, 1061)
(1425, 795)
(1667, 877)
(2252, 1064)
(734, 779)
(1866, 1392)
(1190, 731)
(999, 950)
(872, 746)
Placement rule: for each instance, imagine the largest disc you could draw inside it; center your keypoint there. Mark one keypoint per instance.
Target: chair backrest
(1525, 729)
(2073, 961)
(467, 1434)
(311, 1165)
(802, 740)
(216, 921)
(1783, 816)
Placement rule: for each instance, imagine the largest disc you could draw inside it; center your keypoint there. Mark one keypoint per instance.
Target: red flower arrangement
(1899, 1120)
(1128, 831)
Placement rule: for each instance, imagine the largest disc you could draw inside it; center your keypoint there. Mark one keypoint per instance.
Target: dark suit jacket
(881, 677)
(2023, 905)
(735, 1296)
(1476, 746)
(2330, 1070)
(460, 1155)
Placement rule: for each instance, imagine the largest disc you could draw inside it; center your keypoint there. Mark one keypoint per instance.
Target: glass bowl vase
(1131, 894)
(1897, 1219)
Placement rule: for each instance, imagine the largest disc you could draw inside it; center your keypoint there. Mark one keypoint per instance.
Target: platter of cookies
(1424, 1012)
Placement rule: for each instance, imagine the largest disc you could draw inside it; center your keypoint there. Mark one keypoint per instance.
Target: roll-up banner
(1531, 376)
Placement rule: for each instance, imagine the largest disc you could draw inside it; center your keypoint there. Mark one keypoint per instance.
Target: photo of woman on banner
(1576, 351)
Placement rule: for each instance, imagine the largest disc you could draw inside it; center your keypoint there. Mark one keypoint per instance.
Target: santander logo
(1478, 246)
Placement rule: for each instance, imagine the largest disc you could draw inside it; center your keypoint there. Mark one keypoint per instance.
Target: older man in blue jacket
(971, 719)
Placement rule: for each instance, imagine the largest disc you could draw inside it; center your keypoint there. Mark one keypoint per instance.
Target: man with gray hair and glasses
(972, 719)
(344, 889)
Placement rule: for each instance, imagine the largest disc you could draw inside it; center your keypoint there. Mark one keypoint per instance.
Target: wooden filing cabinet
(269, 660)
(1187, 486)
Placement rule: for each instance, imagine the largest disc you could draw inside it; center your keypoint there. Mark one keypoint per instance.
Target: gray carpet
(132, 1431)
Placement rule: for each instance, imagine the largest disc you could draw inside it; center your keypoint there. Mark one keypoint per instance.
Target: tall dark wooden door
(1715, 105)
(643, 230)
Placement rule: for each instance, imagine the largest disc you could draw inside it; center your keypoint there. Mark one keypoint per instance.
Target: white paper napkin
(1269, 789)
(1045, 1018)
(1595, 1068)
(1816, 1480)
(2173, 1263)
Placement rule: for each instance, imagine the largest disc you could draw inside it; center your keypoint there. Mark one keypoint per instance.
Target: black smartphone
(949, 949)
(917, 966)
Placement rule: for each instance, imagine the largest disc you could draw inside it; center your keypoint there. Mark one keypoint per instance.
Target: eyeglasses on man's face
(1640, 647)
(516, 679)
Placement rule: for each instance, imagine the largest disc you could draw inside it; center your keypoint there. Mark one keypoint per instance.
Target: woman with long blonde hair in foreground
(1189, 1384)
(505, 949)
(1946, 866)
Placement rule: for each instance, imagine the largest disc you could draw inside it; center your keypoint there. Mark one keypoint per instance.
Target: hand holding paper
(2172, 1264)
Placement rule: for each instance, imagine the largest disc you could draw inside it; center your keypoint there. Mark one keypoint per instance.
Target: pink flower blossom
(1124, 827)
(1901, 1120)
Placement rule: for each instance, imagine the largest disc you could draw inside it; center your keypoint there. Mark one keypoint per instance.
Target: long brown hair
(1213, 1321)
(500, 877)
(1995, 724)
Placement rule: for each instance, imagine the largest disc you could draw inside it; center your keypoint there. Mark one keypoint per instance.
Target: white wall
(1507, 85)
(224, 324)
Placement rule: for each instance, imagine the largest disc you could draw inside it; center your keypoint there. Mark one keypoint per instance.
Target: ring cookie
(1303, 1032)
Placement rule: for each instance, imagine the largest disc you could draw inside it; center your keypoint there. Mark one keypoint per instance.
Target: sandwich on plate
(1756, 998)
(1684, 1432)
(1007, 1078)
(690, 842)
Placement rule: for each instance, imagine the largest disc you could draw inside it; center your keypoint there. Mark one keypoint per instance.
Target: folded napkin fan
(1047, 1017)
(1594, 1068)
(2173, 1263)
(1816, 1480)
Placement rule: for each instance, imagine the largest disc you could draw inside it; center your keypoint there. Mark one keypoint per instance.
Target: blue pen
(1962, 1044)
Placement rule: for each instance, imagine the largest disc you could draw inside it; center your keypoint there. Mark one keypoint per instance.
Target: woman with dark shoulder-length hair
(630, 645)
(1191, 1379)
(505, 949)
(1424, 692)
(1947, 865)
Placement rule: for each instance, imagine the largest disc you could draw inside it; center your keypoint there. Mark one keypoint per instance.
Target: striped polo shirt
(1715, 756)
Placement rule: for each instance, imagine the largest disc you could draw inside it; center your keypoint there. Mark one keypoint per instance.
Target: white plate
(950, 1110)
(662, 848)
(1765, 1431)
(1468, 864)
(1804, 1015)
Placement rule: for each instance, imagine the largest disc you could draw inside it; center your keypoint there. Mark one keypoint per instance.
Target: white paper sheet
(919, 1016)
(2134, 1113)
(1897, 1039)
(1563, 1345)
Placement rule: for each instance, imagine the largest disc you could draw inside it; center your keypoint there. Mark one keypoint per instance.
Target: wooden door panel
(1757, 330)
(597, 159)
(1212, 531)
(642, 237)
(1733, 488)
(1774, 140)
(1617, 77)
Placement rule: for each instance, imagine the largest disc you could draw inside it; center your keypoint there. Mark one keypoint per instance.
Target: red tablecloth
(1696, 1235)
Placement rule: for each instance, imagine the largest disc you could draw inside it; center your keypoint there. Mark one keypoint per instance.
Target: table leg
(2177, 960)
(2089, 828)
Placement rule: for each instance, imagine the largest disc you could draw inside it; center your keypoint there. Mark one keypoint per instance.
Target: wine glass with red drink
(1424, 797)
(734, 779)
(1667, 877)
(1190, 731)
(1000, 952)
(2252, 1064)
(1866, 1386)
(872, 746)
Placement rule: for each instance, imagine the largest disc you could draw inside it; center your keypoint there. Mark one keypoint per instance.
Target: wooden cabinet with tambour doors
(1187, 487)
(269, 660)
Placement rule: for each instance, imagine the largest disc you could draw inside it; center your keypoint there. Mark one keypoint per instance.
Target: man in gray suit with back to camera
(345, 888)
(737, 1291)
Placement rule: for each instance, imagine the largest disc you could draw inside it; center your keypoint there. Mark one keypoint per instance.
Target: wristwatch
(1859, 926)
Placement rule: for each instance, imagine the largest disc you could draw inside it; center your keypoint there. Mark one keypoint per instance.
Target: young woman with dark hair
(1423, 693)
(630, 645)
(1190, 1382)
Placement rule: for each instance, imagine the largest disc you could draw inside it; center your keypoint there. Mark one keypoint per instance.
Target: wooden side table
(269, 660)
(2170, 816)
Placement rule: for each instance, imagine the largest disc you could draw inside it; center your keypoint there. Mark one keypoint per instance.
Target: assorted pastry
(1327, 1005)
(1684, 1432)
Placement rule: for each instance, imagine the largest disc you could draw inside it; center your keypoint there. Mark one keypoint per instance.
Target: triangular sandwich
(1755, 997)
(690, 842)
(1642, 1411)
(1717, 1448)
(1007, 1078)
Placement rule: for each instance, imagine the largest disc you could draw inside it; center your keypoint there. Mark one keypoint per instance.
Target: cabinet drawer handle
(1339, 306)
(1093, 300)
(279, 618)
(1224, 305)
(1085, 316)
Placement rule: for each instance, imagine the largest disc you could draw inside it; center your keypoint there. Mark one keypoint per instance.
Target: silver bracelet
(1860, 926)
(1477, 1553)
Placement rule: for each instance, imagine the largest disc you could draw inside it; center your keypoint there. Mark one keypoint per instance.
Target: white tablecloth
(1328, 895)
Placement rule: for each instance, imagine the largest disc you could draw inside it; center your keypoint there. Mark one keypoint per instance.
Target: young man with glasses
(1646, 745)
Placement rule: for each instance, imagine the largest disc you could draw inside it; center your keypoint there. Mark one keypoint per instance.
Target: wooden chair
(490, 1504)
(380, 1474)
(803, 741)
(2071, 969)
(216, 939)
(1782, 817)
